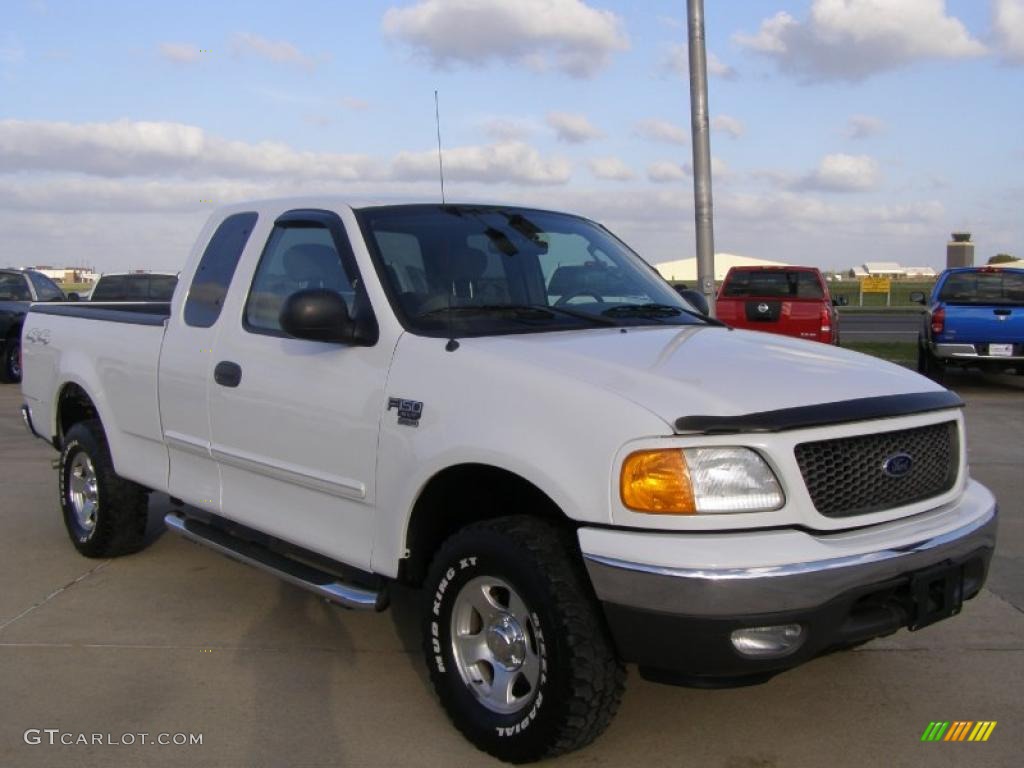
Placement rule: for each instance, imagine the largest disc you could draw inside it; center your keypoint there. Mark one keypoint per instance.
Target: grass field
(901, 290)
(900, 352)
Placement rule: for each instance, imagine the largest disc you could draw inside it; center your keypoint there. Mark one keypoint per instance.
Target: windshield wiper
(643, 310)
(656, 311)
(519, 311)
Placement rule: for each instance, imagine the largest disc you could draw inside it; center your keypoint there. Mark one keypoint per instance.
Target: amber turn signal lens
(657, 482)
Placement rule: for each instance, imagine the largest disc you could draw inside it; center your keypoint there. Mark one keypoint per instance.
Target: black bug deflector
(804, 416)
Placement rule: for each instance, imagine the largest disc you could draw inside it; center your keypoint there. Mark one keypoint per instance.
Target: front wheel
(105, 515)
(10, 366)
(516, 647)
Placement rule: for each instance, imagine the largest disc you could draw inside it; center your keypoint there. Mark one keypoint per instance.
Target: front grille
(847, 476)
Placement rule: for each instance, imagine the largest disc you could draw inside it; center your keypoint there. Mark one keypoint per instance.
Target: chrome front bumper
(731, 592)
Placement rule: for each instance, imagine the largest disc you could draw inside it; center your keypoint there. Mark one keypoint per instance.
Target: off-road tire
(119, 520)
(10, 366)
(581, 681)
(929, 366)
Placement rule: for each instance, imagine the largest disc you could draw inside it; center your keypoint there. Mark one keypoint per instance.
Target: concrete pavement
(179, 640)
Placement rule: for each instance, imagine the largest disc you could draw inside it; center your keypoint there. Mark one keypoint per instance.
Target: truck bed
(111, 351)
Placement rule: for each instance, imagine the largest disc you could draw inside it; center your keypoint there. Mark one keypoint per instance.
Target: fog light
(768, 642)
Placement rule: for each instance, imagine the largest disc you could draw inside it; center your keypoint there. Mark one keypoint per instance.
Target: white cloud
(661, 130)
(568, 35)
(677, 62)
(730, 126)
(854, 39)
(667, 171)
(843, 173)
(179, 53)
(507, 128)
(277, 51)
(611, 168)
(573, 128)
(510, 161)
(1008, 25)
(863, 127)
(126, 148)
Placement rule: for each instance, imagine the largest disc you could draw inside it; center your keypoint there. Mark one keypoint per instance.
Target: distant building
(920, 272)
(884, 269)
(68, 274)
(685, 270)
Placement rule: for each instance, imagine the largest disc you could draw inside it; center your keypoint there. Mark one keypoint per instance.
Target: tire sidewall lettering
(461, 570)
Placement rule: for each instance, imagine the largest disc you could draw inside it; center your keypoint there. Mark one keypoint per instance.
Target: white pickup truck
(509, 408)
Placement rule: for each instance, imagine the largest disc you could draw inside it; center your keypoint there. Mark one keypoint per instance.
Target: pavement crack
(54, 594)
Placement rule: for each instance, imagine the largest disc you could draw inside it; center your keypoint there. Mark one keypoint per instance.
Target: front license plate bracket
(938, 593)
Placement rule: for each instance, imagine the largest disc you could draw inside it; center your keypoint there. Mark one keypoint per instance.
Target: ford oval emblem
(898, 465)
(762, 308)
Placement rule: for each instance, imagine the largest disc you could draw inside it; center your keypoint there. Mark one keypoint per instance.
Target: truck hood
(705, 371)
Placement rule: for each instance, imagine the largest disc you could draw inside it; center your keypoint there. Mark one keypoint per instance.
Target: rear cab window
(216, 268)
(773, 284)
(989, 287)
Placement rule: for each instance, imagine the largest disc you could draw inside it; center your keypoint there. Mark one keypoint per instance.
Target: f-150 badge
(409, 411)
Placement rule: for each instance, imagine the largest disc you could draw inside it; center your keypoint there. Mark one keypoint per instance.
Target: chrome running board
(320, 583)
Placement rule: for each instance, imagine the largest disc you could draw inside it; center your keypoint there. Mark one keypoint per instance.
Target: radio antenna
(440, 161)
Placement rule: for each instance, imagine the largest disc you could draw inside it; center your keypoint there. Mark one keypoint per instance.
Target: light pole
(703, 208)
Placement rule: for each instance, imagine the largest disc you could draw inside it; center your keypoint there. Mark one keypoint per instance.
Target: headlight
(698, 480)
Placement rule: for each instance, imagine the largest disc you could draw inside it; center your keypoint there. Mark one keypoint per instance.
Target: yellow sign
(873, 284)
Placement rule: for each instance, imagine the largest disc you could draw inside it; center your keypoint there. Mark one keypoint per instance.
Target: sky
(843, 131)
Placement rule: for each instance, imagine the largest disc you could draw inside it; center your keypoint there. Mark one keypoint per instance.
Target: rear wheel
(929, 365)
(515, 644)
(105, 515)
(10, 366)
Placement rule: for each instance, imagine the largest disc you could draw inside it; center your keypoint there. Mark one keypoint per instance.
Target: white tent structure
(685, 270)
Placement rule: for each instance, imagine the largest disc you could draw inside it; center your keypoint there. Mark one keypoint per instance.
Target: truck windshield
(480, 270)
(772, 284)
(996, 287)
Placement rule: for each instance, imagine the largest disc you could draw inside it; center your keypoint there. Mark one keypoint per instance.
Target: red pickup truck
(792, 301)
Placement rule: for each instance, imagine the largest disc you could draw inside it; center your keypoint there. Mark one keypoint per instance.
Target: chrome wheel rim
(495, 644)
(83, 491)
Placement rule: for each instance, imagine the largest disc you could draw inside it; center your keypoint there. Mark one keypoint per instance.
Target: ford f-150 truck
(974, 317)
(508, 408)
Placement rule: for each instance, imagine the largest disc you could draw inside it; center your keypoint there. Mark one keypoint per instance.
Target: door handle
(1001, 312)
(227, 374)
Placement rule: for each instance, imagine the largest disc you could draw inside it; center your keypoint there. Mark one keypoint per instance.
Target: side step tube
(314, 580)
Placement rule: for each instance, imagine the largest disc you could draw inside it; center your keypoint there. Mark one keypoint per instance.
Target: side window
(296, 257)
(46, 289)
(216, 268)
(14, 287)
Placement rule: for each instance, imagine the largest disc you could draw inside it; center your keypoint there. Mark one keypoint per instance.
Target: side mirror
(696, 300)
(317, 314)
(917, 297)
(74, 297)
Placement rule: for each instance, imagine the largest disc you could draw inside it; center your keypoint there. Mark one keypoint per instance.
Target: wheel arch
(462, 494)
(73, 406)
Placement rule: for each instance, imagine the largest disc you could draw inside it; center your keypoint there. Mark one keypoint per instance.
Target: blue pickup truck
(975, 318)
